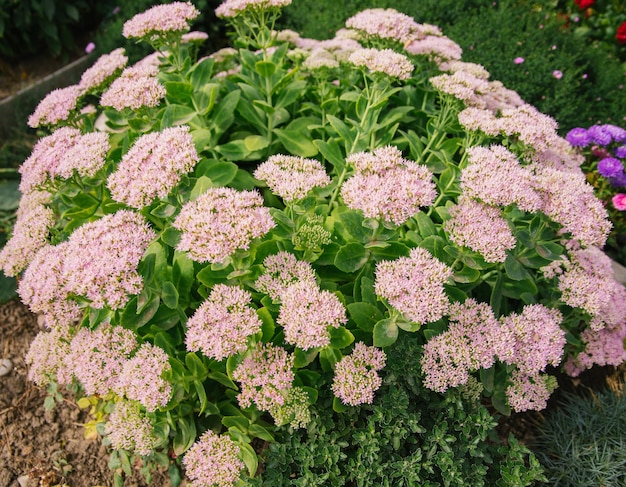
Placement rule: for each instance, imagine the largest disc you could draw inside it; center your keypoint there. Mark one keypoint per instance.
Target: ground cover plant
(245, 242)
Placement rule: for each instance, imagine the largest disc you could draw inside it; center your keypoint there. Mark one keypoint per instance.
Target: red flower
(583, 4)
(621, 33)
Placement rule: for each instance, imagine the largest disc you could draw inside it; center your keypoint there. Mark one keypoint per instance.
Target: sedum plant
(219, 245)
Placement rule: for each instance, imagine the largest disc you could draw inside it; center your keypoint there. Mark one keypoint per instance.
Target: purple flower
(609, 167)
(557, 74)
(621, 152)
(618, 133)
(89, 48)
(518, 60)
(578, 137)
(618, 181)
(600, 135)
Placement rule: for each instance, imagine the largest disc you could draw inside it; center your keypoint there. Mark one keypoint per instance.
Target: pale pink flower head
(385, 61)
(292, 177)
(42, 286)
(464, 86)
(480, 227)
(619, 201)
(129, 429)
(518, 60)
(86, 156)
(356, 379)
(153, 167)
(220, 327)
(557, 74)
(90, 47)
(195, 37)
(588, 283)
(437, 48)
(386, 186)
(530, 391)
(221, 221)
(602, 347)
(414, 285)
(307, 312)
(495, 176)
(104, 70)
(41, 166)
(160, 20)
(102, 257)
(281, 271)
(388, 24)
(233, 8)
(539, 339)
(57, 106)
(96, 357)
(30, 232)
(213, 460)
(46, 357)
(136, 87)
(141, 378)
(473, 339)
(265, 375)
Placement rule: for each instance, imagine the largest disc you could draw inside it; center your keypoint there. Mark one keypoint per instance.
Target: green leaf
(351, 257)
(185, 435)
(486, 378)
(496, 296)
(255, 143)
(196, 366)
(133, 320)
(499, 402)
(258, 431)
(249, 458)
(171, 236)
(341, 130)
(169, 295)
(178, 92)
(222, 379)
(223, 115)
(332, 153)
(365, 315)
(338, 406)
(514, 269)
(385, 333)
(340, 337)
(265, 68)
(239, 422)
(177, 115)
(296, 143)
(329, 356)
(269, 324)
(302, 358)
(425, 225)
(202, 72)
(220, 173)
(203, 98)
(466, 275)
(183, 275)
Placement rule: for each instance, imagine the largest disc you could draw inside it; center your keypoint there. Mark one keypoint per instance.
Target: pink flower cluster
(471, 342)
(97, 357)
(437, 48)
(530, 392)
(220, 327)
(602, 347)
(153, 166)
(161, 19)
(495, 176)
(386, 186)
(104, 70)
(356, 380)
(295, 409)
(101, 259)
(307, 312)
(385, 61)
(56, 106)
(233, 8)
(213, 460)
(129, 429)
(46, 357)
(481, 228)
(281, 271)
(475, 339)
(292, 177)
(141, 378)
(384, 24)
(414, 285)
(30, 232)
(220, 221)
(266, 375)
(136, 87)
(587, 283)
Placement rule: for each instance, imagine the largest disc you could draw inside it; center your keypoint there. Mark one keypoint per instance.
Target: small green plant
(583, 441)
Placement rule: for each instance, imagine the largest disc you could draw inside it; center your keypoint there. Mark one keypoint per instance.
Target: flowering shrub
(215, 243)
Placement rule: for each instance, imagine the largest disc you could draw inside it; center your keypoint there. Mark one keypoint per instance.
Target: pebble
(5, 366)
